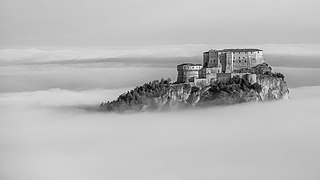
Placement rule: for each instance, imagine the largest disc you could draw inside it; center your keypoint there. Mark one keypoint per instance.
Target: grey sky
(74, 23)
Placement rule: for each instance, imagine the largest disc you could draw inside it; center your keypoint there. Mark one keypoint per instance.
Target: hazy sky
(39, 23)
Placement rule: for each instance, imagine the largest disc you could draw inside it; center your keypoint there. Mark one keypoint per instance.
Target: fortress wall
(238, 74)
(213, 59)
(252, 57)
(222, 61)
(229, 62)
(184, 76)
(223, 77)
(255, 58)
(240, 60)
(259, 57)
(215, 62)
(206, 72)
(247, 59)
(187, 71)
(201, 82)
(205, 59)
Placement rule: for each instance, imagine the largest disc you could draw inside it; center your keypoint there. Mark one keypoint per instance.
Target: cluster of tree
(228, 92)
(139, 94)
(235, 84)
(261, 69)
(278, 75)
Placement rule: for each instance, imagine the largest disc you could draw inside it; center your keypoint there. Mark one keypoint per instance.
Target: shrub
(257, 87)
(279, 75)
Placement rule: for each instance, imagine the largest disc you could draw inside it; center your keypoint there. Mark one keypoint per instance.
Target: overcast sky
(88, 23)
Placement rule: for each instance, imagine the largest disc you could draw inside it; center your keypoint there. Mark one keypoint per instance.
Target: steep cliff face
(161, 95)
(273, 88)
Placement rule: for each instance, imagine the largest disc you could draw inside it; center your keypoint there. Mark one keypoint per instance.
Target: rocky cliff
(163, 95)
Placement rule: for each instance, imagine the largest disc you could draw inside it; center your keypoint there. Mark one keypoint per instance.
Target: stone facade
(232, 59)
(219, 65)
(209, 72)
(188, 71)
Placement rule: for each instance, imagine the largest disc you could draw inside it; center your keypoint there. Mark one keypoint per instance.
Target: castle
(219, 65)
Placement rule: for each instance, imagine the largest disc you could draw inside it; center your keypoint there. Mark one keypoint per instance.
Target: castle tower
(211, 59)
(188, 71)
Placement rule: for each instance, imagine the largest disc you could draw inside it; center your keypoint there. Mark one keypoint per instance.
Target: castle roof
(189, 64)
(236, 50)
(240, 50)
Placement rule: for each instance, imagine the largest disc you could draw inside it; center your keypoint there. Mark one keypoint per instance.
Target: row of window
(238, 57)
(233, 60)
(246, 52)
(193, 67)
(240, 61)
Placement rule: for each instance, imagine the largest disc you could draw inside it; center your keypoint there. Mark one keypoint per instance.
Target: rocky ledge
(164, 95)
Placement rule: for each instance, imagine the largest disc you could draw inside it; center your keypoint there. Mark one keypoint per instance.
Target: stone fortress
(220, 65)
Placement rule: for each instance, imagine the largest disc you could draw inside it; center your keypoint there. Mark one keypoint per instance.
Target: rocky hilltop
(164, 95)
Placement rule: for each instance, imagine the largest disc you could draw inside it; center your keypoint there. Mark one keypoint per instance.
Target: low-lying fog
(45, 133)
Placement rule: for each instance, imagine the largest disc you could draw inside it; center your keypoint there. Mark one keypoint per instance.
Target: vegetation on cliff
(138, 96)
(261, 69)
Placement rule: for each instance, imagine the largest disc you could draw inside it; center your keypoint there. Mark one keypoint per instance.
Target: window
(245, 60)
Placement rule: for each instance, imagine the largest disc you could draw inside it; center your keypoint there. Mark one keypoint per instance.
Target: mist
(46, 133)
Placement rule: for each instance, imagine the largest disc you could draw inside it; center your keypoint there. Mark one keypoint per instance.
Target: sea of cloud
(45, 133)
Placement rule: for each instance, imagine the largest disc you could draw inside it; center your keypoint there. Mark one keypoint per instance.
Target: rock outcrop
(163, 95)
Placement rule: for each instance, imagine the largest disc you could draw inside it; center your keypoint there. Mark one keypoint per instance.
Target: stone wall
(187, 71)
(243, 60)
(238, 74)
(223, 77)
(209, 72)
(240, 60)
(230, 60)
(211, 59)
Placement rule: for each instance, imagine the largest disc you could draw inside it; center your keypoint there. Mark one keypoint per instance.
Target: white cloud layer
(46, 134)
(277, 140)
(187, 50)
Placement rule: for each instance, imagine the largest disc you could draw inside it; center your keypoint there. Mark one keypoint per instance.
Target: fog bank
(276, 140)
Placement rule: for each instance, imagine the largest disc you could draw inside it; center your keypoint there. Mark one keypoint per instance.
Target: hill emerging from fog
(164, 95)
